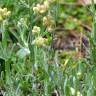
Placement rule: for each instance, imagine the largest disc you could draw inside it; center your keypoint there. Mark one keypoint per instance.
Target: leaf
(70, 25)
(23, 52)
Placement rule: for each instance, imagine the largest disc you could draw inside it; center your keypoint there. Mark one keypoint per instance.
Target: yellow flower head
(41, 8)
(73, 92)
(46, 4)
(35, 30)
(39, 41)
(48, 21)
(4, 13)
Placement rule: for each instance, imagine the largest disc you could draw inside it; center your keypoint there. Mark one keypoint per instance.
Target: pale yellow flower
(35, 9)
(39, 41)
(41, 8)
(8, 13)
(73, 92)
(4, 13)
(49, 29)
(35, 30)
(48, 21)
(45, 21)
(4, 10)
(46, 4)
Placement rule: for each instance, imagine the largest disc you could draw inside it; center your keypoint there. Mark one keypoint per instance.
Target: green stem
(7, 71)
(4, 40)
(93, 41)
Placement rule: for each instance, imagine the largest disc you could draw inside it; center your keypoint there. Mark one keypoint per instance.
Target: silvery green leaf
(23, 52)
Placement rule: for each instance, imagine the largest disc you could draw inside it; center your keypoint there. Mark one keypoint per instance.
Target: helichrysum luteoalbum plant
(46, 20)
(29, 65)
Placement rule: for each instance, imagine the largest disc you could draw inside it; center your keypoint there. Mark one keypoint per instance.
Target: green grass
(30, 70)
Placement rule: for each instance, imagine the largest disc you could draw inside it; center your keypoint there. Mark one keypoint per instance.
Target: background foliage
(51, 70)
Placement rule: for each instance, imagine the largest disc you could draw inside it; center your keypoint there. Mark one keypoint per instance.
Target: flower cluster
(73, 92)
(22, 23)
(41, 8)
(36, 30)
(47, 21)
(39, 41)
(4, 13)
